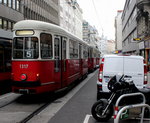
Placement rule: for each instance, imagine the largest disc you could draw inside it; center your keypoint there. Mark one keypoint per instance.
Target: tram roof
(40, 25)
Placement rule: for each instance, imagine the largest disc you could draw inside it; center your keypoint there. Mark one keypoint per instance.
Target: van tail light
(100, 75)
(145, 74)
(38, 76)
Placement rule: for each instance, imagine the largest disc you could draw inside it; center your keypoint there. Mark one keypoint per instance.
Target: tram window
(31, 48)
(73, 49)
(76, 50)
(2, 59)
(7, 58)
(90, 52)
(25, 48)
(64, 49)
(57, 54)
(46, 46)
(85, 52)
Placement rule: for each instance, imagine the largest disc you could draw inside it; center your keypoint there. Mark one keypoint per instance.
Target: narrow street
(75, 107)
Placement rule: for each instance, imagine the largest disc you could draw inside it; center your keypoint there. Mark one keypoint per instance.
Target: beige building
(118, 32)
(44, 10)
(110, 46)
(71, 17)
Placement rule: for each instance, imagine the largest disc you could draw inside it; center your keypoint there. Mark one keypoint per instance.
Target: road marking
(87, 117)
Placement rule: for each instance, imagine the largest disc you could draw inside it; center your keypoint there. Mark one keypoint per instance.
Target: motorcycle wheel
(99, 107)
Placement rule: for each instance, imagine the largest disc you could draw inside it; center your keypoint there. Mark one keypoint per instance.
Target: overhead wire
(97, 16)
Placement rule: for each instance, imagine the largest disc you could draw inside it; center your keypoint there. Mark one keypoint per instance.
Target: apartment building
(110, 46)
(10, 13)
(71, 17)
(118, 32)
(44, 10)
(143, 29)
(129, 28)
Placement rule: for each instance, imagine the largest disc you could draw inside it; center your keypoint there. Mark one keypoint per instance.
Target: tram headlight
(23, 77)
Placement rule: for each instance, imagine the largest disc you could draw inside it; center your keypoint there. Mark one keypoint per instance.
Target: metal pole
(127, 95)
(116, 120)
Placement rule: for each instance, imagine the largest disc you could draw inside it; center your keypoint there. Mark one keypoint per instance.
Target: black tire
(98, 108)
(98, 96)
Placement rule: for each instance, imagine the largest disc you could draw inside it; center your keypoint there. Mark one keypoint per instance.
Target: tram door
(80, 58)
(60, 60)
(1, 59)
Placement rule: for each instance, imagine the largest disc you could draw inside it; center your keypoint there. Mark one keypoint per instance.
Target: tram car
(97, 58)
(46, 57)
(5, 65)
(93, 58)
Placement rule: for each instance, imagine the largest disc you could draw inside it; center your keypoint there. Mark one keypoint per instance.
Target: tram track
(5, 98)
(26, 119)
(23, 108)
(56, 96)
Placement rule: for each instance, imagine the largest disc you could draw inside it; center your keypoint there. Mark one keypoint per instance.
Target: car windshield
(25, 48)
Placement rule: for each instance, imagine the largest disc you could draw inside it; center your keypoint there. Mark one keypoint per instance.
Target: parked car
(111, 65)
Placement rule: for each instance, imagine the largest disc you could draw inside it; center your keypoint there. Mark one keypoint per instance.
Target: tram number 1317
(23, 66)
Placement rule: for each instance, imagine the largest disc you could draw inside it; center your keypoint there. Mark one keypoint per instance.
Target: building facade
(10, 13)
(129, 28)
(143, 29)
(44, 10)
(86, 31)
(103, 45)
(71, 17)
(110, 46)
(118, 32)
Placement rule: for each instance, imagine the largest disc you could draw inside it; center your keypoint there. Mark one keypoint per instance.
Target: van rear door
(112, 66)
(133, 66)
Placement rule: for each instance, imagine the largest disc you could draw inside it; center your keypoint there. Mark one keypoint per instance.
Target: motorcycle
(103, 109)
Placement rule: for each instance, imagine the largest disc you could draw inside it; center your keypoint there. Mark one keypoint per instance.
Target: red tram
(93, 58)
(5, 65)
(45, 57)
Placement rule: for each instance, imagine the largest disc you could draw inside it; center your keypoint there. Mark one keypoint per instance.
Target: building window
(14, 4)
(9, 25)
(5, 2)
(18, 5)
(9, 3)
(5, 24)
(1, 23)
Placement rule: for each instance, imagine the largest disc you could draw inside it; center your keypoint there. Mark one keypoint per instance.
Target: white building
(71, 17)
(102, 45)
(110, 46)
(118, 31)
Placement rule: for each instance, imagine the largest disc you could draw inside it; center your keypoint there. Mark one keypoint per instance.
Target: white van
(114, 64)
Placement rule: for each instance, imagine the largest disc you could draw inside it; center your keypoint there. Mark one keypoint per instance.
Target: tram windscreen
(25, 48)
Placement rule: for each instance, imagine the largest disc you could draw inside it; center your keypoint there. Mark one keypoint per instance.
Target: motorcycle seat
(144, 90)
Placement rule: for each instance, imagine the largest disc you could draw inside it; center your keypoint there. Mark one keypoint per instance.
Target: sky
(101, 14)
